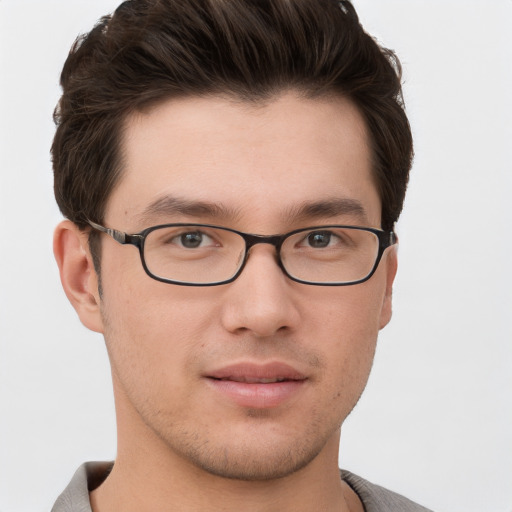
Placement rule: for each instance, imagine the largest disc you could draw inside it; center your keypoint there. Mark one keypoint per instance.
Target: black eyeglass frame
(386, 239)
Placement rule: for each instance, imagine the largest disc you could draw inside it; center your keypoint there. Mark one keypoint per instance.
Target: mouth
(253, 373)
(253, 380)
(257, 386)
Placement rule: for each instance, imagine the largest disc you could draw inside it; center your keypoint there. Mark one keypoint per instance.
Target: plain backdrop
(435, 422)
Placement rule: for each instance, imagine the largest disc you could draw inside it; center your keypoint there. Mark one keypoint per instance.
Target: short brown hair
(151, 50)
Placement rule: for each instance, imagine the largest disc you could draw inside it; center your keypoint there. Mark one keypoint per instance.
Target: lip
(257, 386)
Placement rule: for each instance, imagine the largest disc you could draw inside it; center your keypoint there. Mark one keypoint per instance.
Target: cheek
(351, 315)
(152, 332)
(346, 325)
(348, 375)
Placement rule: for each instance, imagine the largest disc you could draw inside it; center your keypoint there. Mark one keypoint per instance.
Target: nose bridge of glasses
(252, 240)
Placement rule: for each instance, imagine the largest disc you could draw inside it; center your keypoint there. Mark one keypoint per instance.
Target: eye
(320, 239)
(193, 240)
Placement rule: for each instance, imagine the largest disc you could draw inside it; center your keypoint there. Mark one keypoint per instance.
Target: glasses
(206, 255)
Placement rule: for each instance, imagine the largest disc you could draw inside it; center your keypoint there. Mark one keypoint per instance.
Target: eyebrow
(170, 206)
(329, 208)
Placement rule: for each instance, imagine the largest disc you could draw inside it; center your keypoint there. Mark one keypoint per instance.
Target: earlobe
(391, 262)
(77, 273)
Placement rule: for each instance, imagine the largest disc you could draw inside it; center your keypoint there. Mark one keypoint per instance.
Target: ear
(391, 264)
(77, 274)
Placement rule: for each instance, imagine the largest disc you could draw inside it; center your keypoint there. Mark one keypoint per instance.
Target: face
(252, 379)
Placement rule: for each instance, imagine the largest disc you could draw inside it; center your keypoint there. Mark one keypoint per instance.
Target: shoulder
(377, 499)
(87, 477)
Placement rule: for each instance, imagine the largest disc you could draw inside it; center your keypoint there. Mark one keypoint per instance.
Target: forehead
(256, 160)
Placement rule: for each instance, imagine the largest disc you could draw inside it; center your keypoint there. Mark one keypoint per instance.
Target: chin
(255, 456)
(250, 466)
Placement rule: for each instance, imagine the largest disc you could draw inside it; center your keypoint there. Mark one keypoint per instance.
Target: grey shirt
(90, 475)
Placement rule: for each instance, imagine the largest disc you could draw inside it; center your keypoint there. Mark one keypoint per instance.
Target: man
(231, 172)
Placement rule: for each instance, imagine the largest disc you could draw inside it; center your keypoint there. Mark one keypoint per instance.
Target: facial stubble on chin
(239, 463)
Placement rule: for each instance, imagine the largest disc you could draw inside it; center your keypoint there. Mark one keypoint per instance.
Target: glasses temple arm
(118, 236)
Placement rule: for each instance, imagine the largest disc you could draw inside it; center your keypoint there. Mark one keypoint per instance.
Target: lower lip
(257, 395)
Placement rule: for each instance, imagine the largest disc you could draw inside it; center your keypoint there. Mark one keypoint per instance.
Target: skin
(181, 444)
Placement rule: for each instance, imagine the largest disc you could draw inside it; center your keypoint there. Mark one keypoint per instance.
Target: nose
(262, 300)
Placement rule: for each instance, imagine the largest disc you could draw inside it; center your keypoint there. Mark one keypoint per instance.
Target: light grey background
(436, 420)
